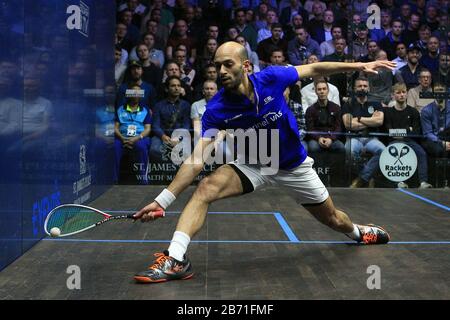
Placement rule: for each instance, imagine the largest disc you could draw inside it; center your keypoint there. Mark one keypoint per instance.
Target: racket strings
(72, 219)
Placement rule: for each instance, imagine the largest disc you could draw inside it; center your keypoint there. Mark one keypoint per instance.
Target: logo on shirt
(398, 162)
(268, 99)
(371, 109)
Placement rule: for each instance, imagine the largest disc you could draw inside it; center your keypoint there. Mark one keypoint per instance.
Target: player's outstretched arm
(322, 69)
(188, 171)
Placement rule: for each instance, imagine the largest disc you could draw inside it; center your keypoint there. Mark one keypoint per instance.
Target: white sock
(178, 245)
(355, 234)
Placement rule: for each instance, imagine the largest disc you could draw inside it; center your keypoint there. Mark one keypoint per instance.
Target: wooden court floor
(259, 246)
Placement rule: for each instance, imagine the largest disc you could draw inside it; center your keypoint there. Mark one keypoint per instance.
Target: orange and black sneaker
(165, 268)
(372, 234)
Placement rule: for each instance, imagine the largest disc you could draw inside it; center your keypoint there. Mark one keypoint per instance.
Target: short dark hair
(362, 78)
(276, 25)
(170, 78)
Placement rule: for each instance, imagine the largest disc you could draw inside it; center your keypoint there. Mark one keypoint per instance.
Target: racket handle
(156, 214)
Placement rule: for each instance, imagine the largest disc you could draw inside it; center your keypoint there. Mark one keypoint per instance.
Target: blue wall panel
(55, 66)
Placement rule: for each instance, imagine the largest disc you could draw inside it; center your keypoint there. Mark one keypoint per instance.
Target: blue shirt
(231, 111)
(434, 121)
(132, 123)
(170, 116)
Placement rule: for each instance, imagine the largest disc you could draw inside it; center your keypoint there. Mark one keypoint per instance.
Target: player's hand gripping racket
(75, 218)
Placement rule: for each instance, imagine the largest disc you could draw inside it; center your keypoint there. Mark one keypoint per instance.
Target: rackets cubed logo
(398, 162)
(79, 18)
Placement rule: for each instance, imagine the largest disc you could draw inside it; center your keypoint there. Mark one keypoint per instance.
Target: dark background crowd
(166, 48)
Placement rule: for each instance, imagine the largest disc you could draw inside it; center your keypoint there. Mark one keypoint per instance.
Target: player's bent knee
(207, 190)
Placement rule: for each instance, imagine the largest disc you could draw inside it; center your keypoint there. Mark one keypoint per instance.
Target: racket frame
(106, 215)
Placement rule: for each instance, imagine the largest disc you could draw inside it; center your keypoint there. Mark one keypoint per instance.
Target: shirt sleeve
(210, 125)
(282, 77)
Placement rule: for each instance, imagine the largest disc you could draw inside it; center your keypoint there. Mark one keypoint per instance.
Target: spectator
(360, 44)
(151, 73)
(267, 46)
(187, 71)
(327, 47)
(340, 9)
(173, 69)
(132, 128)
(301, 47)
(360, 7)
(392, 39)
(289, 30)
(309, 96)
(169, 114)
(293, 97)
(209, 73)
(199, 107)
(156, 56)
(403, 116)
(167, 19)
(405, 13)
(413, 96)
(266, 32)
(323, 116)
(432, 17)
(380, 83)
(309, 4)
(207, 55)
(135, 78)
(134, 6)
(409, 74)
(372, 50)
(245, 29)
(430, 60)
(411, 33)
(435, 119)
(442, 75)
(363, 117)
(154, 25)
(305, 81)
(294, 8)
(119, 67)
(277, 58)
(424, 36)
(339, 80)
(180, 36)
(401, 59)
(317, 16)
(211, 33)
(121, 37)
(133, 32)
(323, 31)
(386, 20)
(252, 56)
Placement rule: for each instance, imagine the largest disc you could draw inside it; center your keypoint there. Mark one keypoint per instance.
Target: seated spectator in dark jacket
(394, 37)
(409, 74)
(442, 75)
(267, 46)
(430, 60)
(301, 47)
(170, 114)
(150, 72)
(403, 116)
(135, 71)
(324, 116)
(363, 117)
(322, 31)
(435, 119)
(132, 128)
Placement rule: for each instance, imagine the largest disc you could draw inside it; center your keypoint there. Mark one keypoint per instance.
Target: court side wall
(56, 129)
